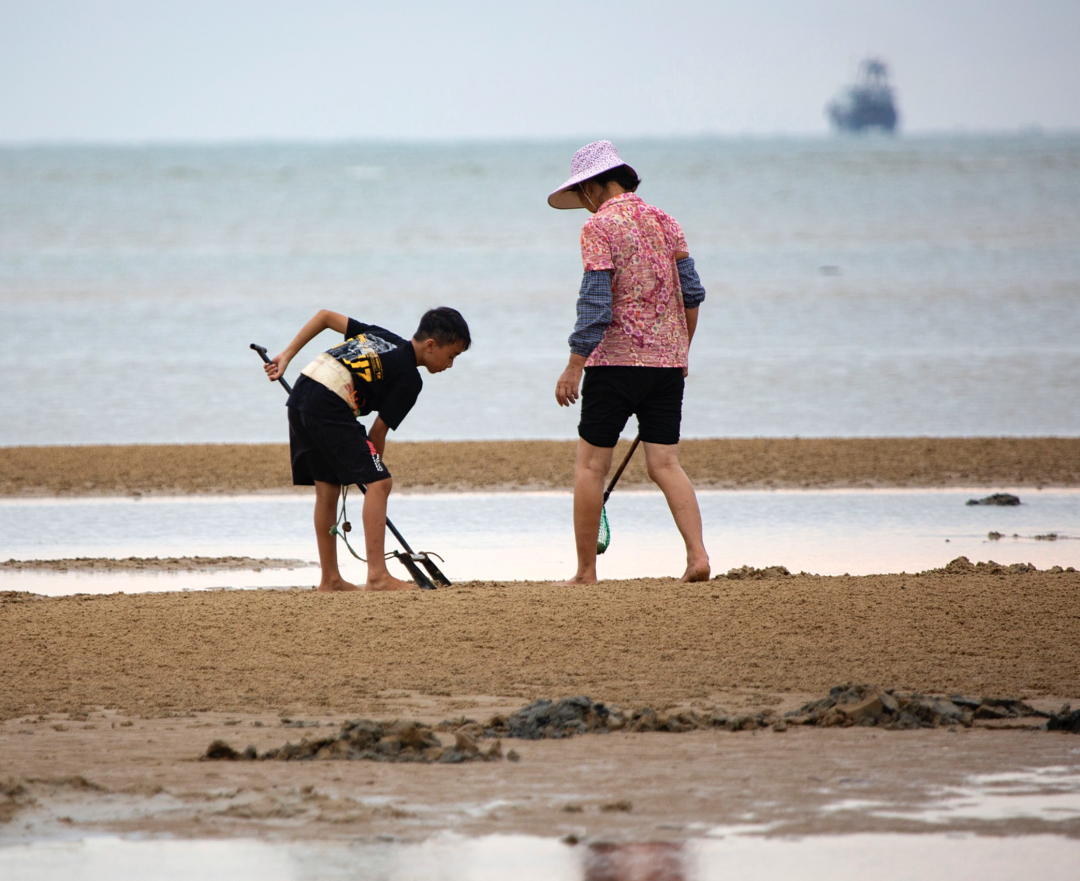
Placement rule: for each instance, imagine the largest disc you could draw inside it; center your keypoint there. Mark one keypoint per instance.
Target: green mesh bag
(604, 538)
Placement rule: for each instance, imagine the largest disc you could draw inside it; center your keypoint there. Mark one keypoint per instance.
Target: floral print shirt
(638, 243)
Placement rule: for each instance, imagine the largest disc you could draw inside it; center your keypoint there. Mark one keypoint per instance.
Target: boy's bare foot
(387, 581)
(337, 584)
(697, 571)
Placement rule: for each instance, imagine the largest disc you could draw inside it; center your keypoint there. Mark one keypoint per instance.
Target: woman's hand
(566, 389)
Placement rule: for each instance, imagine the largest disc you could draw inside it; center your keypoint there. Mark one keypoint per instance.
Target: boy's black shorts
(332, 451)
(609, 395)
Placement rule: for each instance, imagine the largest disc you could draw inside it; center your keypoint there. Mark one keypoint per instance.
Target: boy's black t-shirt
(385, 378)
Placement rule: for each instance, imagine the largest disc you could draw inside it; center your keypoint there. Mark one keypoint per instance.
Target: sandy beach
(636, 643)
(496, 465)
(111, 700)
(108, 703)
(890, 333)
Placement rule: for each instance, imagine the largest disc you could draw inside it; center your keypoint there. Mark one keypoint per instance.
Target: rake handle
(262, 354)
(622, 468)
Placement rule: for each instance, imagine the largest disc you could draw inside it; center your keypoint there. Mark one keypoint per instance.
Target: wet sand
(651, 642)
(108, 773)
(107, 703)
(496, 465)
(149, 564)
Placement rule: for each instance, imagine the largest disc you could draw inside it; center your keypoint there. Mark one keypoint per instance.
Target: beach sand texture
(644, 641)
(651, 642)
(107, 703)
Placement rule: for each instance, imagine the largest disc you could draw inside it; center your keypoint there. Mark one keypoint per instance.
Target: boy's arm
(377, 435)
(324, 319)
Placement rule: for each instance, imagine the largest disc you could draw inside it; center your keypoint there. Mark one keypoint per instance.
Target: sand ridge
(152, 564)
(499, 465)
(647, 642)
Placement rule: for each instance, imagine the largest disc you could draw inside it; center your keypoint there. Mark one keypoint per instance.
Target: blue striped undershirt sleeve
(692, 291)
(593, 312)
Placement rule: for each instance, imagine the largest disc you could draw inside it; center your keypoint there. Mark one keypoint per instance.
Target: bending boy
(372, 371)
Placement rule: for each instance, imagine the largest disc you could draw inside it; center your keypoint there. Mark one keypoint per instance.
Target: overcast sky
(138, 70)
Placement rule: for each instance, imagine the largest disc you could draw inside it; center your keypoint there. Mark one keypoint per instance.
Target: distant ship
(868, 104)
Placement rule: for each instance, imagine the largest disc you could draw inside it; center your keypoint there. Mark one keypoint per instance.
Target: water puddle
(1047, 794)
(528, 536)
(890, 857)
(955, 844)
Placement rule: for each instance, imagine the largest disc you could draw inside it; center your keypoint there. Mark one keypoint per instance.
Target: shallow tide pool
(890, 857)
(528, 535)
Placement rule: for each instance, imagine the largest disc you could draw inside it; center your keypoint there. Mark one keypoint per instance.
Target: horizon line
(267, 140)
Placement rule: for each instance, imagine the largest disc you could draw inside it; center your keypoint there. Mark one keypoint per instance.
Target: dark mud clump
(1064, 720)
(555, 720)
(219, 750)
(1004, 499)
(845, 706)
(547, 719)
(868, 705)
(366, 740)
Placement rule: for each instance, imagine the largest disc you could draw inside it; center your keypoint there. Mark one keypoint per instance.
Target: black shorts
(332, 451)
(610, 395)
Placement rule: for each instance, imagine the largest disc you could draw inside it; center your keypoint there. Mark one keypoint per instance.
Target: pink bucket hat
(589, 161)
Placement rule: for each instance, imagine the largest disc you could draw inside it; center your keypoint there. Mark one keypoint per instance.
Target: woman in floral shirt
(636, 315)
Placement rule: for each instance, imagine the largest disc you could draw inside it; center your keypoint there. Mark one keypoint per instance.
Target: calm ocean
(855, 287)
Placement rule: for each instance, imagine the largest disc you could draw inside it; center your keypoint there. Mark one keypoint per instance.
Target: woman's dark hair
(623, 175)
(445, 326)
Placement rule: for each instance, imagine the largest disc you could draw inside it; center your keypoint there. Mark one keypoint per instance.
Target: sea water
(529, 536)
(889, 857)
(856, 287)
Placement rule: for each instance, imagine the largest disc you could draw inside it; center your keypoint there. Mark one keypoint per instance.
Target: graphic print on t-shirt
(361, 355)
(373, 370)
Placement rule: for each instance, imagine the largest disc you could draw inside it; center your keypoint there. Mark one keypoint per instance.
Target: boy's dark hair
(445, 326)
(623, 175)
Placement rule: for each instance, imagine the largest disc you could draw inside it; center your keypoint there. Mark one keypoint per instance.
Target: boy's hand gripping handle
(262, 353)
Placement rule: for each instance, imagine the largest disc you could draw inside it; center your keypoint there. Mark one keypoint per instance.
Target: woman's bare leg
(592, 466)
(662, 460)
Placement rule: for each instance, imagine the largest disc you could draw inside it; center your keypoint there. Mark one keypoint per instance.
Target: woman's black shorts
(332, 451)
(610, 395)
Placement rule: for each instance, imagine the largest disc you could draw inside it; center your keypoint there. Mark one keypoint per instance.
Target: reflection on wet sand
(634, 861)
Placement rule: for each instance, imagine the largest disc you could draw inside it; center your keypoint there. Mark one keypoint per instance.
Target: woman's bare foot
(386, 581)
(335, 585)
(578, 579)
(697, 571)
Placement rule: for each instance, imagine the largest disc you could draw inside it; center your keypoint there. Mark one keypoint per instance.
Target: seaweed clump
(367, 740)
